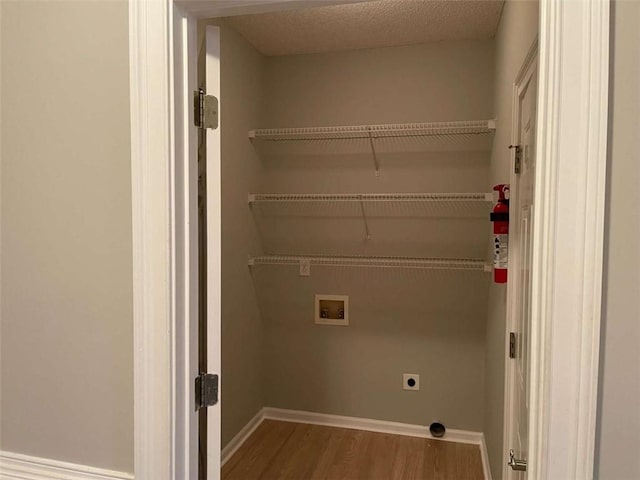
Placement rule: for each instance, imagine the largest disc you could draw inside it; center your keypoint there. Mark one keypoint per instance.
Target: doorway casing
(568, 240)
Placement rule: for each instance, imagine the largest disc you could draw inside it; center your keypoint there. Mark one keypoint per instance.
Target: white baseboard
(241, 437)
(15, 466)
(369, 425)
(484, 454)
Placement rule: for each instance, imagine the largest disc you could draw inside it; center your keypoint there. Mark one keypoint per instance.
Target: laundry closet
(356, 193)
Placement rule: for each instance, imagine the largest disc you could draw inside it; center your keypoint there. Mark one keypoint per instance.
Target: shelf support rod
(373, 152)
(364, 219)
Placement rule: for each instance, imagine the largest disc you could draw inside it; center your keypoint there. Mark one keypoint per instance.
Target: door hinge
(512, 345)
(205, 110)
(206, 390)
(518, 158)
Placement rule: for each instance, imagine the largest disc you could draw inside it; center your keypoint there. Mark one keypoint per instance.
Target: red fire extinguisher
(500, 219)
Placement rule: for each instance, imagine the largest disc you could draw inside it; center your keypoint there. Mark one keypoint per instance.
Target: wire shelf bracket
(376, 164)
(367, 233)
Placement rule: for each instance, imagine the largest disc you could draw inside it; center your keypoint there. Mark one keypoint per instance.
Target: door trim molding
(154, 295)
(568, 242)
(568, 238)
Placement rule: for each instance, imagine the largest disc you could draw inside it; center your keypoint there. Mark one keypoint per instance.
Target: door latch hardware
(206, 390)
(515, 464)
(512, 345)
(205, 110)
(518, 157)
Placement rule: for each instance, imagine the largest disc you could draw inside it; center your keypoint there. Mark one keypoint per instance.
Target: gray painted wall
(430, 323)
(67, 367)
(618, 443)
(516, 32)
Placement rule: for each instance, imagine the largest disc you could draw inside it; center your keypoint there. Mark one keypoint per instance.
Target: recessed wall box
(332, 310)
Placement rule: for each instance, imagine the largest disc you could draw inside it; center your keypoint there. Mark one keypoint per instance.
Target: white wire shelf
(368, 197)
(375, 262)
(474, 127)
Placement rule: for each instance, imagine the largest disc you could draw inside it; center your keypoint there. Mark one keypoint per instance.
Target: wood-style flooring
(297, 451)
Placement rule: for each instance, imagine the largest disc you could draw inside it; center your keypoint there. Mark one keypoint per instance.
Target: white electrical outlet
(305, 268)
(411, 381)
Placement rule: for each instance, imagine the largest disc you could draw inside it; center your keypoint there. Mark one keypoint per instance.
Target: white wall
(430, 323)
(240, 109)
(67, 367)
(619, 416)
(516, 32)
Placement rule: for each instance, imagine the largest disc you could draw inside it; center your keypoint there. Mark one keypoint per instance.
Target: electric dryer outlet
(411, 381)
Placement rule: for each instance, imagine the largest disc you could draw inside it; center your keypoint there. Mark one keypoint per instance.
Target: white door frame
(568, 240)
(573, 99)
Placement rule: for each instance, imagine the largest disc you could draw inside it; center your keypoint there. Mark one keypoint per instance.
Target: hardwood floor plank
(381, 453)
(295, 451)
(349, 443)
(409, 459)
(357, 456)
(449, 459)
(468, 462)
(252, 458)
(331, 454)
(298, 457)
(434, 466)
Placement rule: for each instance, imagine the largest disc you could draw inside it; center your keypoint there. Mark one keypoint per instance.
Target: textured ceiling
(378, 23)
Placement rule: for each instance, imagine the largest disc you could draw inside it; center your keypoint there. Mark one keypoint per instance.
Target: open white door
(520, 257)
(210, 247)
